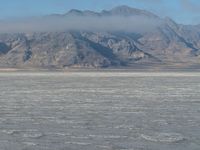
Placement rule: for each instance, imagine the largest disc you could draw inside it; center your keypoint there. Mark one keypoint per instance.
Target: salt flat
(99, 111)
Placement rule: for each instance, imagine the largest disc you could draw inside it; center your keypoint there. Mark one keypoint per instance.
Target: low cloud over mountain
(119, 19)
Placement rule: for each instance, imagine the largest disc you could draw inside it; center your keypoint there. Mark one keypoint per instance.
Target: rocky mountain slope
(168, 43)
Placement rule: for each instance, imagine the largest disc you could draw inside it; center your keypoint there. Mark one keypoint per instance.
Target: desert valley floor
(99, 111)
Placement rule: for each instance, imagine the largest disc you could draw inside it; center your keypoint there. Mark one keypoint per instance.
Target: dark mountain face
(3, 48)
(166, 44)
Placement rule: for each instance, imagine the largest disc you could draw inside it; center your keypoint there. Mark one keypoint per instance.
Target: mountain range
(165, 44)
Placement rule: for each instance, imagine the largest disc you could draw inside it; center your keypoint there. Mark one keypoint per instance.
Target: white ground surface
(99, 111)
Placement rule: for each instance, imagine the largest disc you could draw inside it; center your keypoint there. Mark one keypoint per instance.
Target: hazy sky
(183, 11)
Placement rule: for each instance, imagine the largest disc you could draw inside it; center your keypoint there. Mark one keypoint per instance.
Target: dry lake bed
(99, 111)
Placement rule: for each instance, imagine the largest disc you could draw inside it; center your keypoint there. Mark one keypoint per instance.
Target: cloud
(58, 23)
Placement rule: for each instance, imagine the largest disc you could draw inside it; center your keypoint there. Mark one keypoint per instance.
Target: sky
(182, 11)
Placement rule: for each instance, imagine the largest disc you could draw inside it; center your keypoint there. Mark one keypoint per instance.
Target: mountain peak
(125, 10)
(74, 12)
(129, 11)
(122, 10)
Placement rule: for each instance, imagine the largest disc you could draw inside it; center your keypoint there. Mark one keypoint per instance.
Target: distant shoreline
(101, 70)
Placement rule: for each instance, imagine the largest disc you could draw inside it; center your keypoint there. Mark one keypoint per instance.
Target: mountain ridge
(121, 10)
(167, 44)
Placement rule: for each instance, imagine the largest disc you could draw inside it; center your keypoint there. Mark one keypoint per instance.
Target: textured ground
(99, 111)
